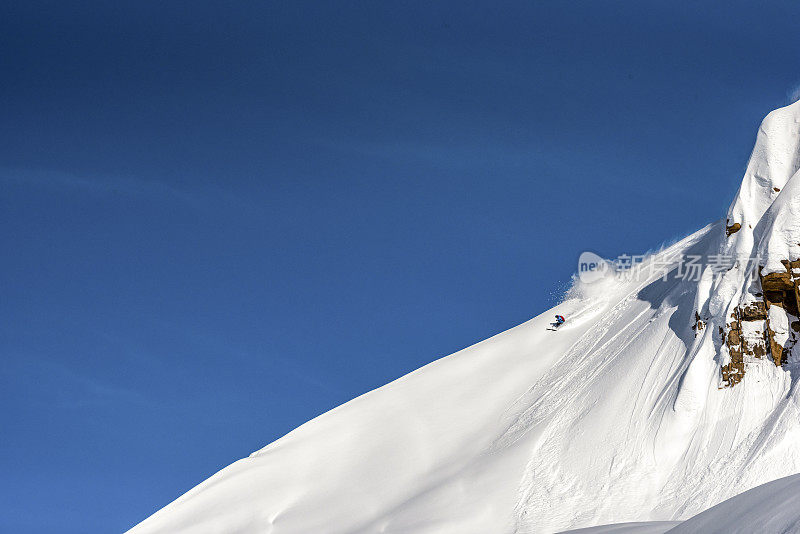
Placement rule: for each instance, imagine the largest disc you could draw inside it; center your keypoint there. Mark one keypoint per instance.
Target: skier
(559, 321)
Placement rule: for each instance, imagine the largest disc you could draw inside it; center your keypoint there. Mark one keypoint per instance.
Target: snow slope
(772, 508)
(649, 527)
(619, 417)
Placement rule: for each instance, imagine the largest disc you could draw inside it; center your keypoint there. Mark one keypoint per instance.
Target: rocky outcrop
(755, 311)
(768, 324)
(699, 324)
(745, 337)
(733, 372)
(781, 291)
(732, 229)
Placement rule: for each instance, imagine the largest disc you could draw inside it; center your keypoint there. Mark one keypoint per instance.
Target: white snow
(772, 508)
(616, 417)
(650, 527)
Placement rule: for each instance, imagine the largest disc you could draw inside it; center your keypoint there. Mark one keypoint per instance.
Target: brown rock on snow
(732, 229)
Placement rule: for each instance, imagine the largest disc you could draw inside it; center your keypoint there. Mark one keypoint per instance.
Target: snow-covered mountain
(671, 388)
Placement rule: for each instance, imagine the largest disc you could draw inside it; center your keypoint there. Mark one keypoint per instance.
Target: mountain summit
(670, 388)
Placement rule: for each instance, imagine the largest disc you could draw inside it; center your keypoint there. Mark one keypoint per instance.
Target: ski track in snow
(556, 398)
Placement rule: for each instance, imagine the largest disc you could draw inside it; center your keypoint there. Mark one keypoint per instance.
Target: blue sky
(220, 220)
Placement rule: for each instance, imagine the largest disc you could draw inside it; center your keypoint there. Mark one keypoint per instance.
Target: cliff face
(758, 297)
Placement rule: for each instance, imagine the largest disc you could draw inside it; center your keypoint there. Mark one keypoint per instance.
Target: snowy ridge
(623, 415)
(772, 508)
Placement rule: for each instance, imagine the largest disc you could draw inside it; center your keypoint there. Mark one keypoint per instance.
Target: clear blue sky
(220, 220)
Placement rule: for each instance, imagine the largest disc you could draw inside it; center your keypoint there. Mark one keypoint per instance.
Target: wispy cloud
(108, 185)
(203, 197)
(76, 389)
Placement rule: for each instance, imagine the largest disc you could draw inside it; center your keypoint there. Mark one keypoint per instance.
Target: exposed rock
(699, 324)
(755, 311)
(778, 354)
(749, 334)
(732, 229)
(781, 290)
(733, 372)
(759, 350)
(733, 336)
(777, 282)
